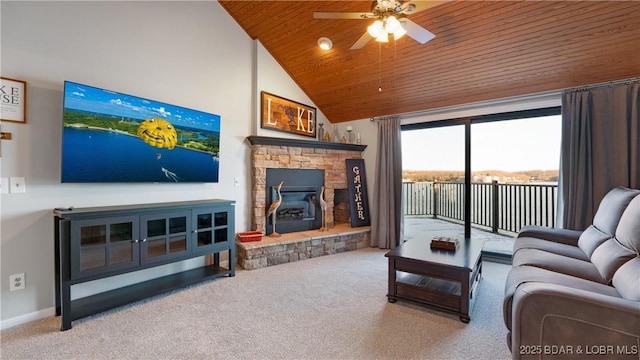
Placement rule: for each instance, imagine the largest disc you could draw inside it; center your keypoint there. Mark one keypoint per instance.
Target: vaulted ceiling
(483, 50)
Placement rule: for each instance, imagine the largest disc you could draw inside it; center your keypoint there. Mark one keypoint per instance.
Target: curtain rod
(387, 117)
(604, 84)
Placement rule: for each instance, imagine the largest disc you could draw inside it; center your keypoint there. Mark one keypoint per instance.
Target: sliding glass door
(433, 161)
(514, 166)
(497, 172)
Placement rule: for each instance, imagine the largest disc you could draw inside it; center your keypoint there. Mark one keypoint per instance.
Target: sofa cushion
(563, 236)
(609, 256)
(523, 274)
(611, 208)
(628, 230)
(558, 263)
(626, 280)
(550, 246)
(591, 239)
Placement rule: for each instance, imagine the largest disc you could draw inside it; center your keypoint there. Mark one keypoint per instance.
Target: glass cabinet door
(164, 236)
(211, 228)
(104, 245)
(221, 222)
(122, 248)
(204, 229)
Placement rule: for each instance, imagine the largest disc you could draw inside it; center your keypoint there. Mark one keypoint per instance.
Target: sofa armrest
(564, 236)
(553, 320)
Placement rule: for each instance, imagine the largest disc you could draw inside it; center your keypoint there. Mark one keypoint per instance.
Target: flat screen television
(113, 137)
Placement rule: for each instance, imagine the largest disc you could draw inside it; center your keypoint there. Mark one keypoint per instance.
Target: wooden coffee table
(439, 279)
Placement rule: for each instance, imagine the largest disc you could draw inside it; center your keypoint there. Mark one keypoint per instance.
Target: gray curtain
(386, 212)
(600, 150)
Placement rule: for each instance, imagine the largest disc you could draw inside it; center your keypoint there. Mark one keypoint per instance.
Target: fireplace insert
(296, 204)
(299, 208)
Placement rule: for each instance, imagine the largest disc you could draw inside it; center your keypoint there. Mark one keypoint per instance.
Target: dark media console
(100, 242)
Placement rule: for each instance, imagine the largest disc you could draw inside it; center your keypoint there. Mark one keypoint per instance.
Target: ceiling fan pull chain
(395, 64)
(379, 67)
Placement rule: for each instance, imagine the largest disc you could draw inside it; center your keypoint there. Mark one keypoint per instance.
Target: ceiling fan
(391, 19)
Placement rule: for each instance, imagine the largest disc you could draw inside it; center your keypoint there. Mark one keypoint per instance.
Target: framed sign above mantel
(288, 116)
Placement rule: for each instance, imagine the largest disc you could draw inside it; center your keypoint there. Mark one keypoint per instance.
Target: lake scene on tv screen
(114, 137)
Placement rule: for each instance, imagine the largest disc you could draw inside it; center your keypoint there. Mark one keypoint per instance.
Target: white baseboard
(23, 319)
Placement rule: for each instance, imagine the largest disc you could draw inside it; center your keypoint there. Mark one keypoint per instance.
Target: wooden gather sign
(357, 189)
(288, 116)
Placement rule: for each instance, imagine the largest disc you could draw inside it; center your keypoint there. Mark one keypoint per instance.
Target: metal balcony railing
(494, 206)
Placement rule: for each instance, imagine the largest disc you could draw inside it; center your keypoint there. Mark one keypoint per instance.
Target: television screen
(114, 137)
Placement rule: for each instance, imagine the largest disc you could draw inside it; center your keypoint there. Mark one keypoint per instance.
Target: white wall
(518, 103)
(190, 54)
(272, 79)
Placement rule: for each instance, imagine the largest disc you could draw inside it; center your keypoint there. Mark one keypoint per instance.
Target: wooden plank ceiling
(483, 50)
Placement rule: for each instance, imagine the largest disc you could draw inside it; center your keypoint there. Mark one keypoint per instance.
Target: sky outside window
(510, 145)
(439, 148)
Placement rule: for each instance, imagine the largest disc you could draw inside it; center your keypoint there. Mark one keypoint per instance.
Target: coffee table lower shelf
(441, 285)
(442, 295)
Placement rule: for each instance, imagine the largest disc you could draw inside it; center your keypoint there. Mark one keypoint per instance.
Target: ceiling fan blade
(412, 7)
(341, 15)
(416, 31)
(364, 39)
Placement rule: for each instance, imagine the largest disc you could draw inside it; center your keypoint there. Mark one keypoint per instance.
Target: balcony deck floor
(426, 226)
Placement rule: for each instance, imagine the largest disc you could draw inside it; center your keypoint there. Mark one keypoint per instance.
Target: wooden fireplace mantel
(265, 140)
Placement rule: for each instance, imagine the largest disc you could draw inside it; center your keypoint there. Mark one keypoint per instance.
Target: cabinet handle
(195, 231)
(136, 241)
(144, 240)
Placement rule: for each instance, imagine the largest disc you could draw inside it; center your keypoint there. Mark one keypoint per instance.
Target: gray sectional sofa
(576, 294)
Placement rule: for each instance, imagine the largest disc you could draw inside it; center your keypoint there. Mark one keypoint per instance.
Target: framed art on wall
(13, 100)
(288, 116)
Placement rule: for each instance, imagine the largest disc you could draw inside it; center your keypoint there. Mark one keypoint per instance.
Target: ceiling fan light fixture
(376, 28)
(325, 43)
(383, 37)
(399, 33)
(392, 24)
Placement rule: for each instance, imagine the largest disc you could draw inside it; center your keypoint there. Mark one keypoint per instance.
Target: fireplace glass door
(299, 209)
(296, 206)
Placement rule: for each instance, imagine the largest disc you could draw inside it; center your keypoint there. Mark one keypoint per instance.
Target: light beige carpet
(331, 307)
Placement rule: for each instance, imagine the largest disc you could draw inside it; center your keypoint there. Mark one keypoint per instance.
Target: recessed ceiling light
(325, 43)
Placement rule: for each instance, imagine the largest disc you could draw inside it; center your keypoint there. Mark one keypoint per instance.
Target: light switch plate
(17, 185)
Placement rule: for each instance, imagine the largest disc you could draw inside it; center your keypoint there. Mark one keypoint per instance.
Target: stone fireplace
(276, 153)
(325, 158)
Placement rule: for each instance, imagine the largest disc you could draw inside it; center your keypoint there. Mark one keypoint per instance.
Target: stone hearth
(301, 245)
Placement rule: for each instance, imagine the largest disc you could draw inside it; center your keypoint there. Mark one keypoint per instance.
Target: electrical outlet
(17, 282)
